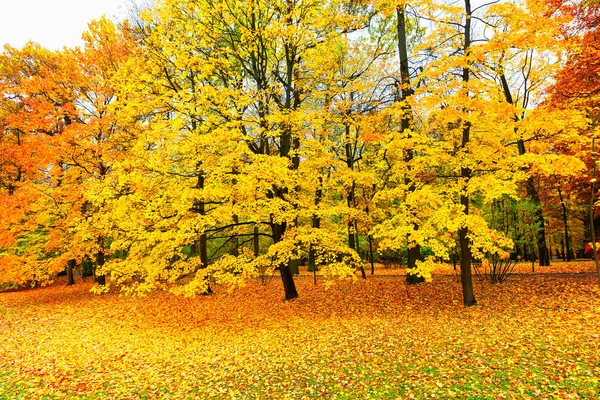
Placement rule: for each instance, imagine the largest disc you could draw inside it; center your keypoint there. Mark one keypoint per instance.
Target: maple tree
(37, 109)
(578, 86)
(511, 167)
(227, 115)
(447, 113)
(58, 102)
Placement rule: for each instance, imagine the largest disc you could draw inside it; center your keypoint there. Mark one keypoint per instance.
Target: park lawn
(530, 337)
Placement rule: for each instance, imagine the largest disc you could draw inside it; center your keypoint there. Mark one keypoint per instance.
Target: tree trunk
(568, 251)
(70, 265)
(316, 224)
(289, 286)
(371, 255)
(414, 250)
(101, 279)
(200, 245)
(414, 254)
(465, 248)
(312, 264)
(350, 196)
(312, 258)
(351, 243)
(466, 277)
(255, 242)
(591, 214)
(532, 193)
(363, 274)
(235, 245)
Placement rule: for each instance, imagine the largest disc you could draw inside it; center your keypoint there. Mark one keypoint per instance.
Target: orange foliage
(580, 78)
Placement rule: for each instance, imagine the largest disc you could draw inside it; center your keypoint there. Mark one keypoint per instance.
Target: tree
(38, 107)
(578, 83)
(220, 107)
(63, 100)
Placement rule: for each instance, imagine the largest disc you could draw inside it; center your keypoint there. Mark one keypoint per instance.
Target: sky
(53, 23)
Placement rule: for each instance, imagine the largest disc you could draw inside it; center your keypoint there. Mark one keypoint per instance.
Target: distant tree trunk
(312, 259)
(351, 236)
(316, 224)
(532, 194)
(100, 256)
(350, 195)
(234, 248)
(568, 252)
(70, 265)
(363, 274)
(312, 262)
(200, 245)
(371, 254)
(255, 242)
(591, 215)
(235, 245)
(351, 201)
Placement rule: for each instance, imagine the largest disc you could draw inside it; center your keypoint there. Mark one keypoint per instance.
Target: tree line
(204, 142)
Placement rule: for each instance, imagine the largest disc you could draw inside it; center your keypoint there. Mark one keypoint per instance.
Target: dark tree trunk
(414, 250)
(289, 286)
(101, 279)
(255, 242)
(363, 273)
(371, 255)
(350, 196)
(591, 215)
(414, 254)
(465, 248)
(70, 265)
(312, 262)
(316, 224)
(466, 277)
(568, 251)
(200, 245)
(351, 243)
(235, 245)
(532, 193)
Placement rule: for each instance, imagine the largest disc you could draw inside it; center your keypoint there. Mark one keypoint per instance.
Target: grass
(373, 339)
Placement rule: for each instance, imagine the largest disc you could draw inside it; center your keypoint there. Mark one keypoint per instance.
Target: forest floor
(368, 339)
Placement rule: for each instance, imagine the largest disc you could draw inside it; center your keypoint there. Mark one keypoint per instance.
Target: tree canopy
(207, 142)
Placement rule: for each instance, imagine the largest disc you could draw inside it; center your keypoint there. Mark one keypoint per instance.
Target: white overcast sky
(53, 23)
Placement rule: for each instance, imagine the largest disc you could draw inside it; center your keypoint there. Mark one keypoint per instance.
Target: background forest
(206, 142)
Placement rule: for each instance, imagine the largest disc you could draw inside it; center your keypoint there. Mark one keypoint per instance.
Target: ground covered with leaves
(530, 337)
